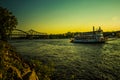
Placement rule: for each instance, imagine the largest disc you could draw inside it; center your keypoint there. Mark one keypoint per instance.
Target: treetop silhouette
(8, 22)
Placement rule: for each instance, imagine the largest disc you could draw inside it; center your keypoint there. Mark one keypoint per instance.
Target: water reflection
(76, 61)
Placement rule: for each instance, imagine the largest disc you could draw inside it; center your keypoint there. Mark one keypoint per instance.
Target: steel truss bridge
(31, 34)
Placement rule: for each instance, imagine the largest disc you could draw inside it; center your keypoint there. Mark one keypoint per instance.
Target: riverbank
(13, 66)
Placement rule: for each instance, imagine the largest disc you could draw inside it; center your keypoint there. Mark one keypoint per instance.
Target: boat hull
(87, 41)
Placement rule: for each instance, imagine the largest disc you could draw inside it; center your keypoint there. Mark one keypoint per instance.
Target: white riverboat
(90, 37)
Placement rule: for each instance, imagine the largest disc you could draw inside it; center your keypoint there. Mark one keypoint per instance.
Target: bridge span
(31, 34)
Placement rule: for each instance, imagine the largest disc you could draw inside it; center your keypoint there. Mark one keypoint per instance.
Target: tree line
(67, 35)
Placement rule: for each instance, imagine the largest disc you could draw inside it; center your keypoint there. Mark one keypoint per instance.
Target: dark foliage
(8, 22)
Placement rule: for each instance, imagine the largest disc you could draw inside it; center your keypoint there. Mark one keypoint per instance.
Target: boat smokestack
(99, 28)
(93, 29)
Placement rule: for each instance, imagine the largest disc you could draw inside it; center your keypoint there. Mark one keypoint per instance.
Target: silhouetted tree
(8, 22)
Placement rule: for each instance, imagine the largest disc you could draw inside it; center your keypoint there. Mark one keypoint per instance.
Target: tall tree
(8, 22)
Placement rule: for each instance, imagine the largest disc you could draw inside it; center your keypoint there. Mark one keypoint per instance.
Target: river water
(74, 61)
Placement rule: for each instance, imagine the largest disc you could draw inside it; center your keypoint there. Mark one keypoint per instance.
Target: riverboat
(96, 36)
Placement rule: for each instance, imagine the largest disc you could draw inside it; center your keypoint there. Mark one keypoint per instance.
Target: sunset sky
(61, 16)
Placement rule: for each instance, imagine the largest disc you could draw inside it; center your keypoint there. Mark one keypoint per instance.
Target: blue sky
(60, 16)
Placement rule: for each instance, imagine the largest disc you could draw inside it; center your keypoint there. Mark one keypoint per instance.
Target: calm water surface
(75, 61)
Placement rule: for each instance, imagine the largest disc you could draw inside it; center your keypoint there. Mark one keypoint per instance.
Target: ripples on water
(75, 61)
